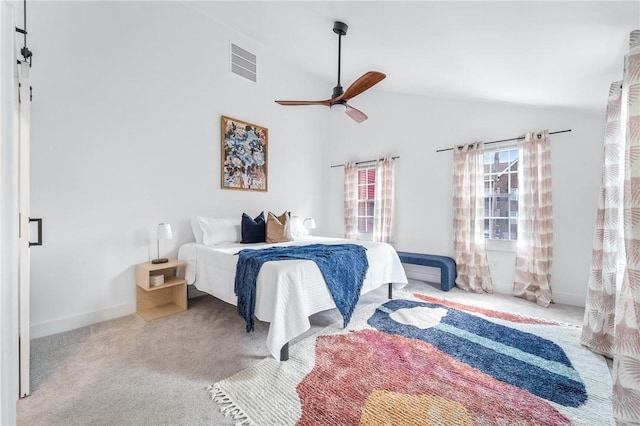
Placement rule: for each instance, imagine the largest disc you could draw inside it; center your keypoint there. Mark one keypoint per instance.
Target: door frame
(9, 225)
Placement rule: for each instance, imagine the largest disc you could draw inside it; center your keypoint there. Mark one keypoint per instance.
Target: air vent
(243, 63)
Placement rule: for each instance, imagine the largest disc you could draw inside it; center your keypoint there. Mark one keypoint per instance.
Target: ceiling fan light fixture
(338, 107)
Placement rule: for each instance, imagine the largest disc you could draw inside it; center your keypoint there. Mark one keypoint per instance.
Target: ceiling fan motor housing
(340, 28)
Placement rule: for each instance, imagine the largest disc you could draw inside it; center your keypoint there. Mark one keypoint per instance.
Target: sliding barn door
(23, 112)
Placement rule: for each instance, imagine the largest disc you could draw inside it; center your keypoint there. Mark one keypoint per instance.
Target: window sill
(508, 246)
(365, 237)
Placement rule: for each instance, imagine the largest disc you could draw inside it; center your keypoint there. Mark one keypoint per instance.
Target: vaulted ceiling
(545, 53)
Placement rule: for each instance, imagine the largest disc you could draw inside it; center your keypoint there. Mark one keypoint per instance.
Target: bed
(288, 291)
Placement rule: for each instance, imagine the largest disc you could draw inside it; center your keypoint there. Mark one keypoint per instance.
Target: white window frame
(511, 215)
(367, 235)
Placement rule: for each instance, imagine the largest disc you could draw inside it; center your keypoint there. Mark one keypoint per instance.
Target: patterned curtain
(535, 220)
(468, 219)
(384, 200)
(350, 200)
(612, 316)
(598, 328)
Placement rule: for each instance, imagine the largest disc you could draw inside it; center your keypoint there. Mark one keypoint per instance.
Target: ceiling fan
(339, 98)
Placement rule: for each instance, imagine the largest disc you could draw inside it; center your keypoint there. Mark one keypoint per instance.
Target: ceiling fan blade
(356, 114)
(365, 82)
(298, 103)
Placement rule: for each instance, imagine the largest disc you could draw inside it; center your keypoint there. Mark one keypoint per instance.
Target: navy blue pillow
(253, 230)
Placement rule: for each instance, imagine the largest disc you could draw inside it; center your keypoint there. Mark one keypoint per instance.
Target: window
(366, 197)
(501, 194)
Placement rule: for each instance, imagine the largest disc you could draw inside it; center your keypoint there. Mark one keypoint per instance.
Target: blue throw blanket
(343, 267)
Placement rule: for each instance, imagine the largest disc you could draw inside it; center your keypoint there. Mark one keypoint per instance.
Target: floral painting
(244, 155)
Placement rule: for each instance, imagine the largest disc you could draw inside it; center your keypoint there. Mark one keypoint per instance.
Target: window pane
(500, 229)
(371, 192)
(362, 192)
(487, 230)
(487, 187)
(501, 184)
(362, 208)
(365, 225)
(362, 177)
(504, 156)
(514, 181)
(514, 231)
(495, 166)
(487, 207)
(513, 155)
(365, 208)
(362, 224)
(501, 207)
(513, 204)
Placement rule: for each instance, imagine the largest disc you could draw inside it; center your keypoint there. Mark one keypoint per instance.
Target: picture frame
(244, 155)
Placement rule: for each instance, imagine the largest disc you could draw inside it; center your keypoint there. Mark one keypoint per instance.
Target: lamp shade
(310, 223)
(164, 232)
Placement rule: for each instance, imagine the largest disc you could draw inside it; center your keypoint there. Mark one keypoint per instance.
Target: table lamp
(164, 233)
(309, 223)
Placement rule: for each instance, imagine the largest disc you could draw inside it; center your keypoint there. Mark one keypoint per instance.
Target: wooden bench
(446, 264)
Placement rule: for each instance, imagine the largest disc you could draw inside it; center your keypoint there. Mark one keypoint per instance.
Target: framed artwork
(244, 155)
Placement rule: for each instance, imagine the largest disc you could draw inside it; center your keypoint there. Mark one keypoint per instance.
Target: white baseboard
(568, 299)
(560, 298)
(72, 322)
(432, 275)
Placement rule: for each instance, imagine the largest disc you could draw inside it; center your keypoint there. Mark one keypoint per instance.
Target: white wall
(127, 104)
(415, 127)
(126, 134)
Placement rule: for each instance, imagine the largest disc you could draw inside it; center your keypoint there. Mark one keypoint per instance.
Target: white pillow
(217, 231)
(197, 231)
(297, 228)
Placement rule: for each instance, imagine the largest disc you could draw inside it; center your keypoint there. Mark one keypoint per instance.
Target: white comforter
(288, 291)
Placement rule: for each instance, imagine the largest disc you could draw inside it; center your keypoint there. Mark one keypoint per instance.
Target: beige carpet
(129, 371)
(425, 360)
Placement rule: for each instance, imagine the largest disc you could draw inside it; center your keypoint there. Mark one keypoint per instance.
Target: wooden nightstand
(168, 298)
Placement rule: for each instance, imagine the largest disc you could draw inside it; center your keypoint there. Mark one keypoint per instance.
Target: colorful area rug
(421, 360)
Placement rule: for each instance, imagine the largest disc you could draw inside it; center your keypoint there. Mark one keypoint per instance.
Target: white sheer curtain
(384, 200)
(350, 200)
(535, 220)
(468, 219)
(612, 314)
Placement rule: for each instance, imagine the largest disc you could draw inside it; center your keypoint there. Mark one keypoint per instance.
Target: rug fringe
(228, 407)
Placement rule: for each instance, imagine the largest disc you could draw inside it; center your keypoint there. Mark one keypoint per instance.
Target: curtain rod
(363, 162)
(507, 140)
